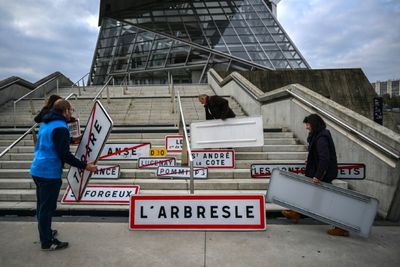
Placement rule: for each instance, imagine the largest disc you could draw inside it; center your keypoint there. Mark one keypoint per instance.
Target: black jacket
(321, 160)
(61, 141)
(218, 108)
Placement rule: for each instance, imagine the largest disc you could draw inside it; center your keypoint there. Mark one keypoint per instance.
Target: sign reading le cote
(95, 135)
(214, 158)
(350, 171)
(197, 212)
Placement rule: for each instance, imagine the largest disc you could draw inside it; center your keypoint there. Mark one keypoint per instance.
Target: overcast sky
(43, 36)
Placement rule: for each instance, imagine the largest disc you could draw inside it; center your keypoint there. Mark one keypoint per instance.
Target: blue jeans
(47, 191)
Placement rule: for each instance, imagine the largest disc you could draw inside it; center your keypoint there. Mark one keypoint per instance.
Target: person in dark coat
(321, 164)
(216, 107)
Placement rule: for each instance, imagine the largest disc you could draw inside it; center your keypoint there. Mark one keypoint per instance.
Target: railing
(102, 89)
(77, 83)
(32, 129)
(31, 92)
(186, 151)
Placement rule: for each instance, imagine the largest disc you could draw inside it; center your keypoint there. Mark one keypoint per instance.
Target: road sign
(102, 194)
(106, 172)
(181, 172)
(340, 207)
(214, 158)
(174, 143)
(96, 132)
(153, 163)
(125, 151)
(237, 132)
(197, 212)
(74, 128)
(346, 171)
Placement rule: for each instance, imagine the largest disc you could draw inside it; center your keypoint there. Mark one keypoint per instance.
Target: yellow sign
(158, 152)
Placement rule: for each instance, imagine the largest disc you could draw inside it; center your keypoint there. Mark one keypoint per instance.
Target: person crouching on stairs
(321, 164)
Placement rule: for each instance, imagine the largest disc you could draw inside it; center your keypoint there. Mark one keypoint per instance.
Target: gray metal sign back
(324, 202)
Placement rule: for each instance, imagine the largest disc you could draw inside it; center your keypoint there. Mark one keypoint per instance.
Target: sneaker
(54, 233)
(290, 214)
(55, 245)
(336, 231)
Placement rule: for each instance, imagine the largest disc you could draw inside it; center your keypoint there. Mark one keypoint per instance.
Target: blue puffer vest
(46, 163)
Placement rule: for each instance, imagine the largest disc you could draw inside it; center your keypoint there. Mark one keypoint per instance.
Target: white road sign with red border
(214, 158)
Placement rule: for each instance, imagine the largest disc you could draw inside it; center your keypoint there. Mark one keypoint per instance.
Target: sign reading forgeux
(174, 143)
(181, 172)
(197, 212)
(125, 151)
(101, 194)
(349, 171)
(153, 163)
(214, 158)
(106, 172)
(95, 135)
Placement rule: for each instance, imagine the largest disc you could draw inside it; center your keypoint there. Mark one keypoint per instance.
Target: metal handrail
(27, 132)
(102, 89)
(345, 125)
(22, 97)
(182, 118)
(77, 83)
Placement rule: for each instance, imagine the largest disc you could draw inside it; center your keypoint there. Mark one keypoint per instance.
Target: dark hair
(50, 102)
(316, 122)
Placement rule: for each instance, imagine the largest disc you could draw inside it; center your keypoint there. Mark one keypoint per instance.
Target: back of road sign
(324, 202)
(237, 132)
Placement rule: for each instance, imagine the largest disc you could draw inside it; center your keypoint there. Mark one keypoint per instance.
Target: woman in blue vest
(51, 152)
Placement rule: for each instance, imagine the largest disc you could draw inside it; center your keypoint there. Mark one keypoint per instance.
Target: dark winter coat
(218, 108)
(321, 160)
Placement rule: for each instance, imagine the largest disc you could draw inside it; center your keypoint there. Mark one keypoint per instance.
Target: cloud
(43, 36)
(346, 34)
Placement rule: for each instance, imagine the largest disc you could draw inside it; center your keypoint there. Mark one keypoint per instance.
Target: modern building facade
(141, 41)
(390, 87)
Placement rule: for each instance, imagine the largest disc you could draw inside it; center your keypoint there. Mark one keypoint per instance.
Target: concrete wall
(280, 109)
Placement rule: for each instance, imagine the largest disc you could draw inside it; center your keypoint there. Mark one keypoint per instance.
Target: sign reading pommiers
(214, 158)
(197, 212)
(350, 171)
(181, 172)
(95, 135)
(125, 151)
(174, 143)
(106, 172)
(153, 163)
(101, 194)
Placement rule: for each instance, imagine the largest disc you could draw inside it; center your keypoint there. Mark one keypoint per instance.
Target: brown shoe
(336, 231)
(290, 214)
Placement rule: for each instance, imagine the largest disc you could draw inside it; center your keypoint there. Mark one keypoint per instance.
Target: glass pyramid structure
(141, 41)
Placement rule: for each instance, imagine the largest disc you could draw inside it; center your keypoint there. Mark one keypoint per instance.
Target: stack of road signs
(324, 202)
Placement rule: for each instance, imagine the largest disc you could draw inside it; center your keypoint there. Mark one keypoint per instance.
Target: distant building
(144, 40)
(387, 87)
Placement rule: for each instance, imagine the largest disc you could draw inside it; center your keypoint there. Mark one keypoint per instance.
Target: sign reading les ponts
(106, 172)
(197, 212)
(95, 135)
(153, 163)
(214, 158)
(181, 172)
(348, 171)
(102, 194)
(125, 151)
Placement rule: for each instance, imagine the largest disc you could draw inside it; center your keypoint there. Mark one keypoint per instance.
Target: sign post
(95, 135)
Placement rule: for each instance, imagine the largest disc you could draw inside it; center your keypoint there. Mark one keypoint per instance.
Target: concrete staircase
(140, 115)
